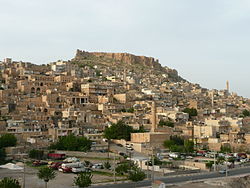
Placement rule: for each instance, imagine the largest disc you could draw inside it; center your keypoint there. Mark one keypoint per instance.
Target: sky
(207, 41)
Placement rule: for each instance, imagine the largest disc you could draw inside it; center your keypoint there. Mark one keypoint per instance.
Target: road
(135, 154)
(179, 179)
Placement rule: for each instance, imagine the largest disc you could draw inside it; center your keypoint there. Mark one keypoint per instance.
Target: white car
(81, 169)
(224, 171)
(71, 160)
(244, 160)
(98, 166)
(72, 165)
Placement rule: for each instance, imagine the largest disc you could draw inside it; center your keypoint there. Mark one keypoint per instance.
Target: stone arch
(32, 90)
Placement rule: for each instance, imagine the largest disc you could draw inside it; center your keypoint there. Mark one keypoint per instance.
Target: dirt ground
(62, 180)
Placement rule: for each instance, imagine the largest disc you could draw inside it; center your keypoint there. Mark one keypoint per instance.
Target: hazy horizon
(205, 41)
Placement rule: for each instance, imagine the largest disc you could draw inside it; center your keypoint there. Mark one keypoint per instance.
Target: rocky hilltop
(140, 64)
(122, 58)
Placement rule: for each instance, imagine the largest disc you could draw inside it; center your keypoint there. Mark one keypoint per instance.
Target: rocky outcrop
(122, 57)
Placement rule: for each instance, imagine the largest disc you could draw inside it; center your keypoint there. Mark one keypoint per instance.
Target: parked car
(223, 171)
(128, 145)
(148, 163)
(122, 154)
(72, 165)
(173, 155)
(98, 166)
(103, 150)
(65, 169)
(81, 169)
(56, 165)
(71, 160)
(39, 163)
(244, 160)
(130, 148)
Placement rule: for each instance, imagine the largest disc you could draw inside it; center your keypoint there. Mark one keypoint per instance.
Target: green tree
(246, 113)
(131, 110)
(46, 174)
(136, 174)
(177, 140)
(189, 146)
(83, 179)
(107, 165)
(119, 130)
(8, 182)
(220, 160)
(7, 140)
(209, 165)
(168, 143)
(87, 163)
(72, 143)
(157, 161)
(175, 144)
(191, 112)
(225, 149)
(166, 123)
(122, 168)
(2, 155)
(36, 154)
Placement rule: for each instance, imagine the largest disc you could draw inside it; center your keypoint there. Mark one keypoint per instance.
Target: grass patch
(29, 163)
(110, 174)
(100, 158)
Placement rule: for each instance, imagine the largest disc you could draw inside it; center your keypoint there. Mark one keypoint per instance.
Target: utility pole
(130, 156)
(108, 149)
(114, 169)
(148, 167)
(24, 173)
(24, 168)
(226, 164)
(214, 162)
(153, 166)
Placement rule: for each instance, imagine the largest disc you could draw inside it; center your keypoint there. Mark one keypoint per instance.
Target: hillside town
(125, 107)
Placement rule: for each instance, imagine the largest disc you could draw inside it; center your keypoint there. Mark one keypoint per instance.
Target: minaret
(227, 86)
(124, 76)
(153, 117)
(212, 98)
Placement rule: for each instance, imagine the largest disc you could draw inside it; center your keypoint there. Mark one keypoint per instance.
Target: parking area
(62, 180)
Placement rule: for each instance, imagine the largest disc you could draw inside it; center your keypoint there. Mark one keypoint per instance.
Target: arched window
(32, 90)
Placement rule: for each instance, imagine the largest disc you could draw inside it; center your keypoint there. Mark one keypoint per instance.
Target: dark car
(39, 163)
(65, 170)
(122, 154)
(55, 165)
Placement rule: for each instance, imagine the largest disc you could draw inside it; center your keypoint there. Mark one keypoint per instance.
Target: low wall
(86, 154)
